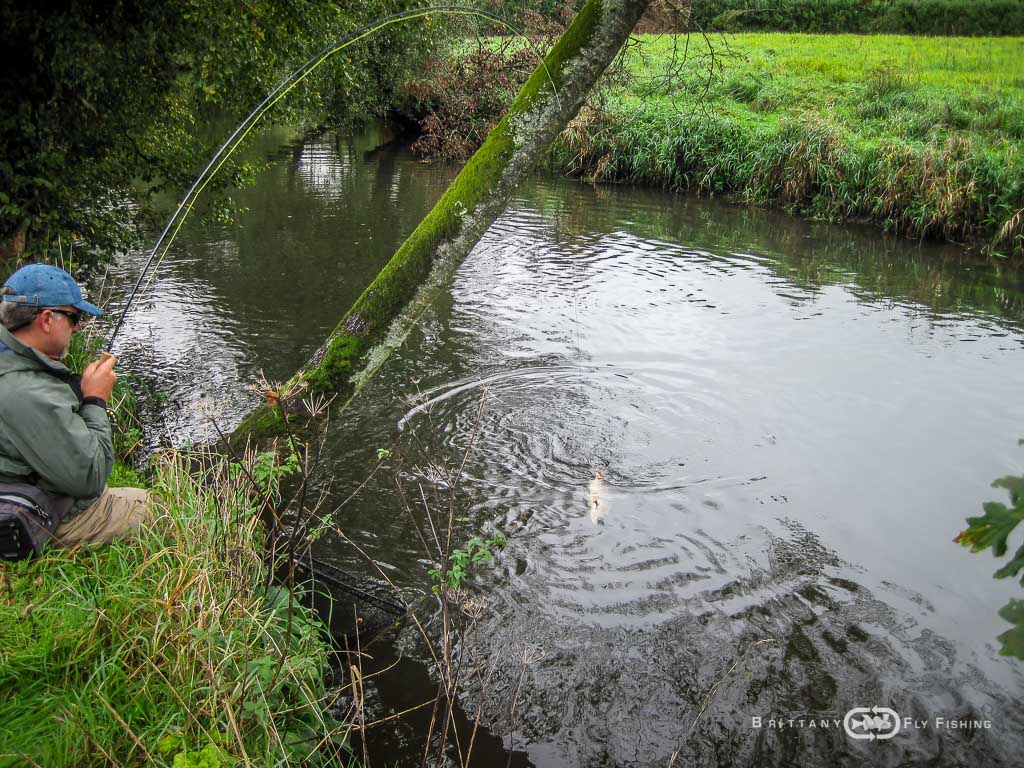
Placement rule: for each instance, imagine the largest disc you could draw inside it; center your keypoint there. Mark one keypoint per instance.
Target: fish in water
(598, 495)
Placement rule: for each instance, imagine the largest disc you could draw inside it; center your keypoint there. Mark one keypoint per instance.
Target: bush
(910, 17)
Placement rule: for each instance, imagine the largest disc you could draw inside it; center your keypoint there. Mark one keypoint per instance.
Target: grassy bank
(167, 650)
(922, 135)
(164, 650)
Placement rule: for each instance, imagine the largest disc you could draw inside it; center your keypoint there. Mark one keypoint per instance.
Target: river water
(793, 420)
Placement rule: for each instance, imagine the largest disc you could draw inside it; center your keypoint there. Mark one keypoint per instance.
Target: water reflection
(318, 225)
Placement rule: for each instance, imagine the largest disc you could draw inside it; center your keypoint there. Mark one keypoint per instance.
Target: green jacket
(47, 435)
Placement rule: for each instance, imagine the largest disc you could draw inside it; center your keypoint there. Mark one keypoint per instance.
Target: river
(793, 420)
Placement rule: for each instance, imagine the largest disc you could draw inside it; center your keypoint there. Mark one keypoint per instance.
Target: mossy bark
(383, 315)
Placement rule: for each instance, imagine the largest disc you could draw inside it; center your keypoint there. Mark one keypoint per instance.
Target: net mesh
(355, 609)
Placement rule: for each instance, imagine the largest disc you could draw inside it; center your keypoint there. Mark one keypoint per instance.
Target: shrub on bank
(906, 17)
(952, 190)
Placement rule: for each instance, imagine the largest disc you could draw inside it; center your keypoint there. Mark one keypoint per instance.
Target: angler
(56, 447)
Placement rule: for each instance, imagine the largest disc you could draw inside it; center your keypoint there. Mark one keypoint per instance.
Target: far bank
(920, 135)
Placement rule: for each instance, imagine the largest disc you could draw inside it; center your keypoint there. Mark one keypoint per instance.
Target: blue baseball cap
(43, 285)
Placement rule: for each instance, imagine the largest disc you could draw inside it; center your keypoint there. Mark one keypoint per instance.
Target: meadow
(921, 134)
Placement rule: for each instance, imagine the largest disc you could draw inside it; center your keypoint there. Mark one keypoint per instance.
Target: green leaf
(262, 669)
(1013, 639)
(1013, 567)
(482, 555)
(992, 529)
(211, 756)
(169, 743)
(1015, 485)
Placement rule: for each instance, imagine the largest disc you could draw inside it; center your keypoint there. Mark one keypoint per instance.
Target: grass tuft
(164, 649)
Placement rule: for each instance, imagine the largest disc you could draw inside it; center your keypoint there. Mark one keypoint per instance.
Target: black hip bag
(28, 517)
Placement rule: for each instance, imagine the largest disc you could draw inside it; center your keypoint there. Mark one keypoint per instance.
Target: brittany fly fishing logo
(872, 723)
(869, 724)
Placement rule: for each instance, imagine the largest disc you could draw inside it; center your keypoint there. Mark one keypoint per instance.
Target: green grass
(152, 650)
(878, 86)
(920, 134)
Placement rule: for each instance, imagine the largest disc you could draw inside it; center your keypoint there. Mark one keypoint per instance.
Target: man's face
(60, 324)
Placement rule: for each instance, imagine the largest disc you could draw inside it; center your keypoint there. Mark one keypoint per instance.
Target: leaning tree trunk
(387, 310)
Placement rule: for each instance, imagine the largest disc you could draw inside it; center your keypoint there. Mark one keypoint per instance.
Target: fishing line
(279, 92)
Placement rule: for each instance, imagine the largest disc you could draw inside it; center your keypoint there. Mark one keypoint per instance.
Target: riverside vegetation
(171, 649)
(921, 135)
(909, 17)
(992, 530)
(102, 114)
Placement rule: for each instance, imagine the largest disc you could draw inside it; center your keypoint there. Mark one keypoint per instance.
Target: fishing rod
(282, 89)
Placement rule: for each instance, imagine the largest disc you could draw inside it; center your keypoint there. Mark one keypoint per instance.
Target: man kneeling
(56, 448)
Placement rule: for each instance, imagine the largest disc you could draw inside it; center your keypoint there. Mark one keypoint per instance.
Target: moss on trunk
(546, 103)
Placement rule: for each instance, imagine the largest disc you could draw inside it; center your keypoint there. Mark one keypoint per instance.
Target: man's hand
(99, 377)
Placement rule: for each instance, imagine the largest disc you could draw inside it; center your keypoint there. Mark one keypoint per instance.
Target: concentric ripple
(778, 458)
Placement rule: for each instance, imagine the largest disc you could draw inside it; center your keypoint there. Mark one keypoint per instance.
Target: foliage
(908, 17)
(126, 476)
(1013, 639)
(460, 93)
(460, 217)
(548, 17)
(210, 756)
(461, 561)
(921, 135)
(104, 105)
(461, 98)
(167, 649)
(991, 531)
(267, 469)
(533, 14)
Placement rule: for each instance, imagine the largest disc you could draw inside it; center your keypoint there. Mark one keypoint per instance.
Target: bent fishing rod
(282, 89)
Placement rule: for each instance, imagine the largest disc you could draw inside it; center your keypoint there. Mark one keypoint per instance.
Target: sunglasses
(74, 318)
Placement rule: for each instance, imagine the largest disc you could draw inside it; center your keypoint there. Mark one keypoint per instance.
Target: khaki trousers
(118, 512)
